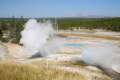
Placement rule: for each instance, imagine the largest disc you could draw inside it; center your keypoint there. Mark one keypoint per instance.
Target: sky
(59, 8)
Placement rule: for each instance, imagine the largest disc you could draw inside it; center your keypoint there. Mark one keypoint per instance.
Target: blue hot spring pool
(72, 44)
(77, 45)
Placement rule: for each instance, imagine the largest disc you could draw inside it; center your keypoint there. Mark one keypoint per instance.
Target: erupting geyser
(39, 38)
(106, 56)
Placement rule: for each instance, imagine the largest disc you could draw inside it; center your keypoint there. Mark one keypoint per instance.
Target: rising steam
(39, 38)
(104, 55)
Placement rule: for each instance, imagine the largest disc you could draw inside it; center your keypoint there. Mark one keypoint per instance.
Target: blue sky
(59, 8)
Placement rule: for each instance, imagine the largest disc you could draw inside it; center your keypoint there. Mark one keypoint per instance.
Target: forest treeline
(10, 28)
(112, 24)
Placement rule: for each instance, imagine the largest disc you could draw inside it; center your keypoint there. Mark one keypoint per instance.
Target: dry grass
(34, 71)
(74, 63)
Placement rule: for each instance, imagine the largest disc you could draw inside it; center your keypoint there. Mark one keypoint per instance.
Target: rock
(16, 51)
(3, 51)
(93, 68)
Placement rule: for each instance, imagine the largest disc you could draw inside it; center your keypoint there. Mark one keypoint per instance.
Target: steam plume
(39, 38)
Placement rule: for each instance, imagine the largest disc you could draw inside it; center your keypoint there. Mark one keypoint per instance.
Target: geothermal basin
(42, 42)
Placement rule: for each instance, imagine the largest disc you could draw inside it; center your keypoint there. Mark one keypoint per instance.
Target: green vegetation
(112, 24)
(10, 28)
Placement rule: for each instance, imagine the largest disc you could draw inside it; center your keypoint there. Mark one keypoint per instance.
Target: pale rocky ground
(67, 57)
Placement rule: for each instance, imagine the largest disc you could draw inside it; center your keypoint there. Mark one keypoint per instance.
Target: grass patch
(78, 64)
(17, 71)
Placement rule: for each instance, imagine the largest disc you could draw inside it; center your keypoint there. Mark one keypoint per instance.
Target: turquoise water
(76, 45)
(73, 45)
(72, 38)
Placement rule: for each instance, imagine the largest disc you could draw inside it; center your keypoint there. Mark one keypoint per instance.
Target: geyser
(39, 38)
(104, 55)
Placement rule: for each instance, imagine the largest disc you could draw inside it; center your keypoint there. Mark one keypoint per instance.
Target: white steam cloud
(104, 55)
(39, 38)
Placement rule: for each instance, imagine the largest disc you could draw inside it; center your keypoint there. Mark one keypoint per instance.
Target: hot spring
(39, 39)
(101, 53)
